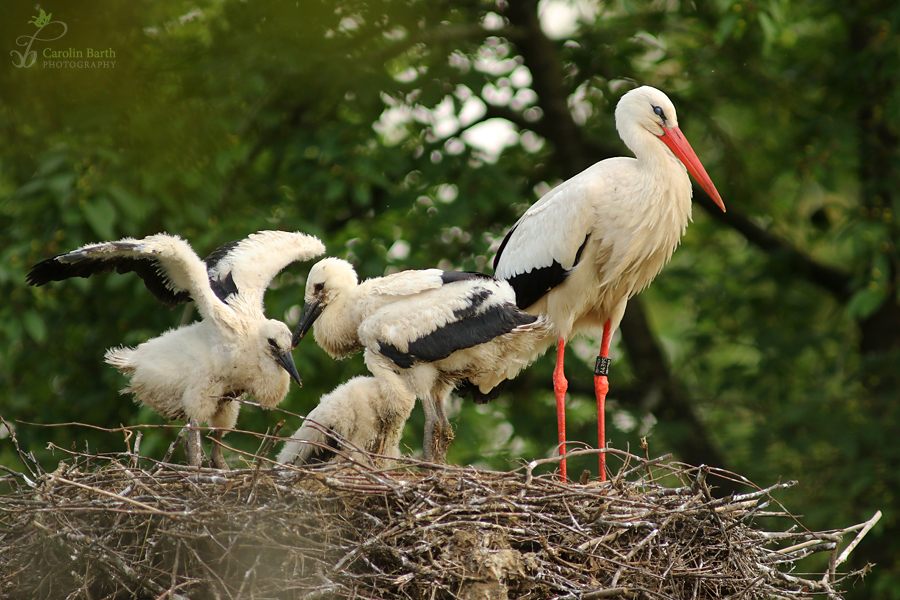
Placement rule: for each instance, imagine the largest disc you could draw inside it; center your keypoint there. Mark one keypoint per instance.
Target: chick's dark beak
(286, 360)
(309, 314)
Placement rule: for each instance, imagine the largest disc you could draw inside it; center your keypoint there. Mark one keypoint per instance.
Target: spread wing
(245, 268)
(170, 268)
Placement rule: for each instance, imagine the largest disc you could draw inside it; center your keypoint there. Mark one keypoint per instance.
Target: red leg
(560, 385)
(601, 387)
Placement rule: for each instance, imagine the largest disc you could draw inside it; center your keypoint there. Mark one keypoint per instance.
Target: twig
(865, 528)
(107, 493)
(173, 445)
(22, 476)
(266, 445)
(607, 593)
(136, 453)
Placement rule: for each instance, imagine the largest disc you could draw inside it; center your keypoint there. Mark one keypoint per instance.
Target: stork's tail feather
(120, 358)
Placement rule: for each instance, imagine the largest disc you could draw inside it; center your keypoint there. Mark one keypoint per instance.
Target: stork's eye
(274, 344)
(659, 112)
(318, 287)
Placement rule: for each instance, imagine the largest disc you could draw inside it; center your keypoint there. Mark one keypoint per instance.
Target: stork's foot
(218, 460)
(440, 442)
(192, 448)
(435, 442)
(428, 440)
(438, 432)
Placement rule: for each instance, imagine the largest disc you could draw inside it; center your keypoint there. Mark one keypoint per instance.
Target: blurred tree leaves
(779, 321)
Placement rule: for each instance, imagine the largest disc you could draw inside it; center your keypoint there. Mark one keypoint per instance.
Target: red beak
(678, 144)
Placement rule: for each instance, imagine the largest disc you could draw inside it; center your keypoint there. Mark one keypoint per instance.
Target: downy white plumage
(196, 371)
(357, 420)
(423, 333)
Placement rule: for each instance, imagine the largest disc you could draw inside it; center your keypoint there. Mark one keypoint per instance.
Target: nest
(125, 526)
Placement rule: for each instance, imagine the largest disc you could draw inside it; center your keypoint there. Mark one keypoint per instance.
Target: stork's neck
(663, 179)
(336, 328)
(650, 151)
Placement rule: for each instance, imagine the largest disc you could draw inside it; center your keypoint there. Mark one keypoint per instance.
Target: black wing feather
(75, 265)
(452, 276)
(467, 387)
(402, 359)
(458, 335)
(475, 300)
(323, 455)
(212, 261)
(222, 283)
(533, 285)
(223, 287)
(503, 245)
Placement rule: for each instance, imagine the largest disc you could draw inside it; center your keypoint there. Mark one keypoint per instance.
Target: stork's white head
(328, 279)
(274, 359)
(647, 110)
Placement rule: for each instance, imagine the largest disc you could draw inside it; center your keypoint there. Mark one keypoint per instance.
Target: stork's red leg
(560, 385)
(601, 387)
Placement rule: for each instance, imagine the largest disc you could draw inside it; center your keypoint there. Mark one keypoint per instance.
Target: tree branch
(835, 281)
(542, 59)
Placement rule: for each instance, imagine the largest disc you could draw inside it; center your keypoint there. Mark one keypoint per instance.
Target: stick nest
(124, 526)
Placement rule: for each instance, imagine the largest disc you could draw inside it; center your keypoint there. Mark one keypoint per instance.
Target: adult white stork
(196, 371)
(423, 332)
(587, 246)
(357, 420)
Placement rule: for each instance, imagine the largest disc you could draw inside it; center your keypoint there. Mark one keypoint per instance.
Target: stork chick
(196, 372)
(423, 333)
(355, 419)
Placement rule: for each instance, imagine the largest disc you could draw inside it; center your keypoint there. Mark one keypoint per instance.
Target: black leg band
(602, 366)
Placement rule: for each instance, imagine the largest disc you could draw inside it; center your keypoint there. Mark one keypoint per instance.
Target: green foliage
(352, 121)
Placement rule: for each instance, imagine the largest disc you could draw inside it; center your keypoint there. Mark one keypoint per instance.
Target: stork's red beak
(678, 144)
